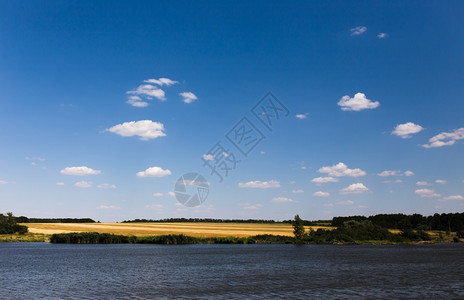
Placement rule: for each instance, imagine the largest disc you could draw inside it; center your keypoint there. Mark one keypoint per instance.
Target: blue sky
(106, 104)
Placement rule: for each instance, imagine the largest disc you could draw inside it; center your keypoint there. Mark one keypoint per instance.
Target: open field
(145, 229)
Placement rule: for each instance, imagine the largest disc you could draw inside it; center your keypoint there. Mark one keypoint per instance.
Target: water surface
(43, 270)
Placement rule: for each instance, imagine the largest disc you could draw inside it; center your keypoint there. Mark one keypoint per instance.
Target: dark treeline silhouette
(24, 219)
(170, 239)
(193, 220)
(8, 225)
(444, 222)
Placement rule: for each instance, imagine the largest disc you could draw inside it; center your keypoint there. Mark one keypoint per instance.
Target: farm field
(145, 229)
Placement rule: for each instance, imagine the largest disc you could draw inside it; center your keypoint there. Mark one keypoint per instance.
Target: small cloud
(171, 194)
(154, 172)
(452, 198)
(161, 81)
(3, 182)
(398, 181)
(406, 130)
(302, 116)
(423, 183)
(106, 186)
(328, 205)
(340, 170)
(260, 184)
(389, 173)
(83, 184)
(357, 103)
(249, 206)
(189, 97)
(60, 183)
(426, 193)
(362, 206)
(358, 30)
(355, 188)
(303, 167)
(145, 129)
(208, 157)
(282, 200)
(409, 173)
(79, 171)
(262, 152)
(321, 180)
(441, 181)
(347, 202)
(382, 35)
(149, 91)
(297, 191)
(107, 207)
(445, 139)
(136, 101)
(321, 194)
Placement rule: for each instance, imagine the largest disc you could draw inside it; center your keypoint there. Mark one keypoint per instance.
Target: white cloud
(161, 81)
(208, 156)
(302, 116)
(321, 194)
(423, 183)
(83, 184)
(79, 171)
(445, 139)
(149, 91)
(451, 198)
(154, 172)
(189, 97)
(347, 202)
(3, 182)
(260, 184)
(426, 193)
(60, 183)
(297, 191)
(407, 129)
(357, 103)
(389, 173)
(441, 181)
(382, 35)
(340, 170)
(358, 30)
(106, 186)
(321, 180)
(249, 206)
(262, 152)
(355, 188)
(328, 205)
(107, 207)
(136, 101)
(304, 167)
(398, 181)
(409, 173)
(145, 129)
(171, 194)
(282, 200)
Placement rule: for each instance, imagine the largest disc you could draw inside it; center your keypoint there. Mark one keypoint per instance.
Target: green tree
(298, 228)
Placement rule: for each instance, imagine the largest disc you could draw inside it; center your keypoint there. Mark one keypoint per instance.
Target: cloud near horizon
(260, 184)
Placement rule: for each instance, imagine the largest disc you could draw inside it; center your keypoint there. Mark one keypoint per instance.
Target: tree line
(444, 222)
(23, 219)
(198, 220)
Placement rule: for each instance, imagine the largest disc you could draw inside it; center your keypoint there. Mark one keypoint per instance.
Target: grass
(27, 237)
(200, 230)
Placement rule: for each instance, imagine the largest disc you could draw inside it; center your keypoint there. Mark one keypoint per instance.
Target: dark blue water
(42, 270)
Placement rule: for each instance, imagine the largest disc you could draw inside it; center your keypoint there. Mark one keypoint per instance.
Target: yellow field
(144, 229)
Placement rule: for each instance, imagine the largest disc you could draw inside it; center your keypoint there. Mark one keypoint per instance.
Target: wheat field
(145, 229)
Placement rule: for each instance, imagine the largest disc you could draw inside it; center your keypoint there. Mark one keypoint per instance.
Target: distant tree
(298, 228)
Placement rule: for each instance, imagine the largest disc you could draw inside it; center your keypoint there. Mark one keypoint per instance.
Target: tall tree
(298, 228)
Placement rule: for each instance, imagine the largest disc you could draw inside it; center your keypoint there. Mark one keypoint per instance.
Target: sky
(316, 108)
